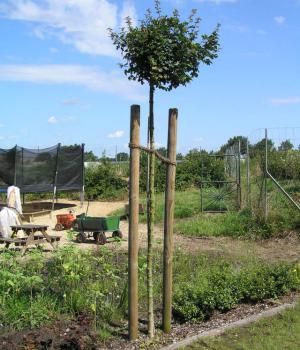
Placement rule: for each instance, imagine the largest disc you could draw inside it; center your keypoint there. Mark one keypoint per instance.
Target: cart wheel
(96, 235)
(118, 234)
(81, 237)
(59, 227)
(100, 238)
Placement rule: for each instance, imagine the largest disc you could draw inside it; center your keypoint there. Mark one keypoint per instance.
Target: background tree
(258, 149)
(285, 146)
(234, 141)
(122, 157)
(90, 157)
(164, 52)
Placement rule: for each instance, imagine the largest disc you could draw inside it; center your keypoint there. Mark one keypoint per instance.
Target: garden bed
(79, 333)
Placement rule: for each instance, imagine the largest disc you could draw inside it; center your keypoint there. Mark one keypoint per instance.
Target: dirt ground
(286, 247)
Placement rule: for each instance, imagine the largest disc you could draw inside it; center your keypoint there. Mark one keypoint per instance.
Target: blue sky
(60, 80)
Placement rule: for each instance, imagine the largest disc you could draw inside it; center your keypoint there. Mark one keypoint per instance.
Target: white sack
(14, 198)
(8, 217)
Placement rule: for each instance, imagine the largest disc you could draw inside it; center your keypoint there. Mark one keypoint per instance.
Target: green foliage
(234, 224)
(102, 182)
(122, 157)
(36, 291)
(234, 141)
(285, 146)
(221, 287)
(284, 165)
(163, 50)
(188, 171)
(90, 157)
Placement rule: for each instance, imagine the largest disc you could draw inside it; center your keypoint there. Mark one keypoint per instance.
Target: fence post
(169, 221)
(266, 176)
(239, 175)
(248, 176)
(133, 223)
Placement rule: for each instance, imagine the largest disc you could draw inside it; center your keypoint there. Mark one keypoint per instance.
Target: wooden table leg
(29, 240)
(48, 238)
(14, 233)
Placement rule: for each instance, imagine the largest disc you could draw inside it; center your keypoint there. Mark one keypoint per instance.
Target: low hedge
(222, 287)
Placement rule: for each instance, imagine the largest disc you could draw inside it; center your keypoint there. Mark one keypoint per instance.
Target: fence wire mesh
(272, 173)
(223, 193)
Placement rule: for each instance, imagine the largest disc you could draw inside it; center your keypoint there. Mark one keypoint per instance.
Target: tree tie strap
(153, 151)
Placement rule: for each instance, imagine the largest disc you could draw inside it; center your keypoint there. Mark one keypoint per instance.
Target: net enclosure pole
(15, 170)
(169, 221)
(266, 176)
(55, 178)
(23, 175)
(82, 176)
(133, 222)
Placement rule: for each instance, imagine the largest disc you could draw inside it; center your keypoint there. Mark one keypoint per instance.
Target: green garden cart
(96, 227)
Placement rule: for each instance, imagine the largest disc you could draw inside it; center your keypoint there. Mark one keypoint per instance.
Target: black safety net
(41, 170)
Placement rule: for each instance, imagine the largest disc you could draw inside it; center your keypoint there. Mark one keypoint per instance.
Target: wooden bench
(32, 238)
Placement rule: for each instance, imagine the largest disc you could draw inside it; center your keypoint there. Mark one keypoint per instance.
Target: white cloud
(81, 23)
(285, 101)
(218, 2)
(70, 102)
(116, 134)
(52, 120)
(87, 76)
(279, 19)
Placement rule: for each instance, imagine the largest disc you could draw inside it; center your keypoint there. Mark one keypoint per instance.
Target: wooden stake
(133, 223)
(169, 222)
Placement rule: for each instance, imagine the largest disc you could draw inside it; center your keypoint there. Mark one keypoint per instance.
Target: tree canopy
(163, 50)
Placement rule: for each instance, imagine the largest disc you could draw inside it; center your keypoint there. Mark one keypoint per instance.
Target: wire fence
(224, 192)
(271, 176)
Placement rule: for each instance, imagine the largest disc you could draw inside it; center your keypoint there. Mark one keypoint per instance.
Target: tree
(164, 52)
(260, 147)
(234, 141)
(122, 157)
(285, 146)
(90, 157)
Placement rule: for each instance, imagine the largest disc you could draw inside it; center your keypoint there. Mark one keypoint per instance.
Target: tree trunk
(150, 217)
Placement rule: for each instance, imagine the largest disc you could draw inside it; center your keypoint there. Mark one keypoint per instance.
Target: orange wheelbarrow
(64, 221)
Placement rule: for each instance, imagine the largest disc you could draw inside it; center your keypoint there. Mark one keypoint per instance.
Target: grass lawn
(190, 221)
(276, 333)
(187, 204)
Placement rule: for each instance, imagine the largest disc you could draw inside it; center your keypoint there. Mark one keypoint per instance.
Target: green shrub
(221, 287)
(102, 182)
(35, 290)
